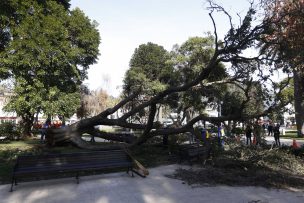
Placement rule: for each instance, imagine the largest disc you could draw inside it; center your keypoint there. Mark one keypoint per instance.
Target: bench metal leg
(13, 181)
(130, 169)
(77, 178)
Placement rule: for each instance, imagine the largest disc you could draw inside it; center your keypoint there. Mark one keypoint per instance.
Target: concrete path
(156, 188)
(284, 141)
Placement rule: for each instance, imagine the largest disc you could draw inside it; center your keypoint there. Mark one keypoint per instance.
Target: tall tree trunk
(229, 128)
(299, 99)
(27, 124)
(37, 116)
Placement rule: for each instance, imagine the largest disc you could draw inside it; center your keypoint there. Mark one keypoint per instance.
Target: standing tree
(148, 70)
(47, 54)
(188, 60)
(149, 74)
(285, 43)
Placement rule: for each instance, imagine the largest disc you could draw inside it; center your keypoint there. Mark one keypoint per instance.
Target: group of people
(259, 129)
(48, 124)
(54, 124)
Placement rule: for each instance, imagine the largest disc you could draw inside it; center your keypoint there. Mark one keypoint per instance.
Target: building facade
(6, 116)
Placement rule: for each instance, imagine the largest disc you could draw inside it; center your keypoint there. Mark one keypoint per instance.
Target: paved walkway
(284, 141)
(119, 187)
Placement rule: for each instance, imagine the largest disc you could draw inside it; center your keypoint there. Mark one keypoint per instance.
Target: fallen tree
(246, 73)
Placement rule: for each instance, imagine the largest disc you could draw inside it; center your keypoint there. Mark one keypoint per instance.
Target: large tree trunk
(229, 128)
(27, 124)
(73, 134)
(299, 99)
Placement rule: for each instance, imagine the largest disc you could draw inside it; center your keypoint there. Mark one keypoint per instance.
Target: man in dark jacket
(276, 133)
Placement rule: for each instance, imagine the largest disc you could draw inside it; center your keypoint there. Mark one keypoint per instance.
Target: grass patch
(19, 144)
(292, 134)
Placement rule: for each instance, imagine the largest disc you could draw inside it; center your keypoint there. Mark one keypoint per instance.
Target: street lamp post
(220, 144)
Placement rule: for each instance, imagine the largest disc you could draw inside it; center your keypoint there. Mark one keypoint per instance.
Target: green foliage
(47, 53)
(192, 56)
(232, 101)
(149, 70)
(10, 131)
(234, 98)
(189, 60)
(287, 95)
(153, 69)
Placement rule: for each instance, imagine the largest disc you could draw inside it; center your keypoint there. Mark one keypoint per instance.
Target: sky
(125, 24)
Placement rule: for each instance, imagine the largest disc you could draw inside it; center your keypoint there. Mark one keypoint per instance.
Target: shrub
(10, 131)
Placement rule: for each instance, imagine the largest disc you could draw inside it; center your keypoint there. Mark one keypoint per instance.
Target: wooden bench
(195, 151)
(45, 165)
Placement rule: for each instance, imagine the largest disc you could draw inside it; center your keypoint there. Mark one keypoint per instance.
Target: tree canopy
(284, 43)
(188, 60)
(47, 54)
(154, 69)
(149, 70)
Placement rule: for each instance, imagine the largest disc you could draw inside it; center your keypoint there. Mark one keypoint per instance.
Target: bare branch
(97, 120)
(119, 105)
(215, 32)
(213, 6)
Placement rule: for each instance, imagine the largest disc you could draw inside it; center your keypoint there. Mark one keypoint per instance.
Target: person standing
(276, 134)
(270, 129)
(45, 126)
(248, 133)
(220, 134)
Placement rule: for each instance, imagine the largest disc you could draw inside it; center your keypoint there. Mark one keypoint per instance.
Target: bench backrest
(85, 158)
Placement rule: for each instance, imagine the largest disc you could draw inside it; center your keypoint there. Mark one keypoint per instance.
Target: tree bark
(73, 134)
(299, 99)
(27, 124)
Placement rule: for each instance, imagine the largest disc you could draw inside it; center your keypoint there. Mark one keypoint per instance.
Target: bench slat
(71, 168)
